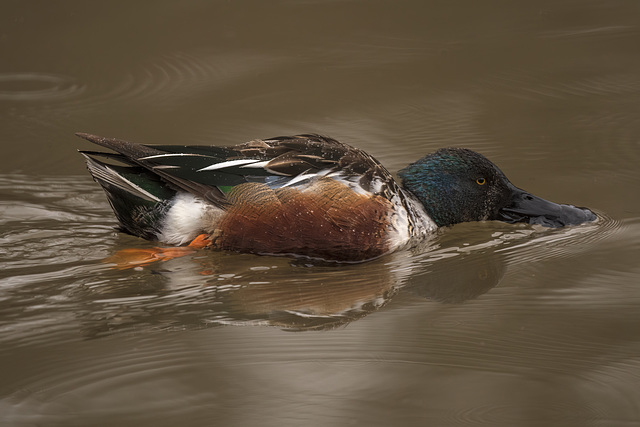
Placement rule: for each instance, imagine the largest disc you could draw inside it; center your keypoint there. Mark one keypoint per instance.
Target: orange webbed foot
(200, 242)
(131, 258)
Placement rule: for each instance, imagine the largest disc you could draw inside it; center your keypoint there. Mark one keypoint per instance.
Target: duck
(305, 195)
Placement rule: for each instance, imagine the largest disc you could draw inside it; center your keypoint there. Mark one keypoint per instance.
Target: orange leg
(200, 242)
(130, 258)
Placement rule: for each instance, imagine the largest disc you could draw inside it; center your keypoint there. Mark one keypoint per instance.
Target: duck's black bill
(525, 207)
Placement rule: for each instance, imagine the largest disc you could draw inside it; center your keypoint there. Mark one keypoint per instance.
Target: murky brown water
(489, 324)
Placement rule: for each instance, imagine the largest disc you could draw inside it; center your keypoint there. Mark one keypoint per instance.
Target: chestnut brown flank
(327, 220)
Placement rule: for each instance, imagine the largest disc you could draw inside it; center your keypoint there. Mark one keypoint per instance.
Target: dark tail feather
(128, 149)
(135, 154)
(138, 198)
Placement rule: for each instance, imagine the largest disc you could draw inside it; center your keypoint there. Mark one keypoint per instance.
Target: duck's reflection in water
(229, 289)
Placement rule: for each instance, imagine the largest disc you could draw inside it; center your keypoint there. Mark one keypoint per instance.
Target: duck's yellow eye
(481, 181)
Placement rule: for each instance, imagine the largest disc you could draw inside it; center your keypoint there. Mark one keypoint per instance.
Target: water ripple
(590, 33)
(181, 75)
(558, 243)
(536, 86)
(30, 86)
(111, 385)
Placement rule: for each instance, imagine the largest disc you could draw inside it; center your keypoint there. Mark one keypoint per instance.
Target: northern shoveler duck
(305, 195)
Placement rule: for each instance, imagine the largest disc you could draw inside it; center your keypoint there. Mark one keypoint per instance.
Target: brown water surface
(487, 324)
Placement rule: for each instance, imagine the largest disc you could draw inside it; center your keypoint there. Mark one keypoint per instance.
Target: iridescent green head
(459, 185)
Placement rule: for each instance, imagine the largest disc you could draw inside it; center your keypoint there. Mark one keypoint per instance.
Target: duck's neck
(431, 195)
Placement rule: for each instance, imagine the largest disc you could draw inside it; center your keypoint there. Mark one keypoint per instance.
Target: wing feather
(280, 161)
